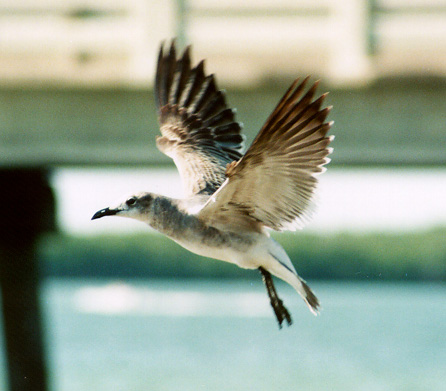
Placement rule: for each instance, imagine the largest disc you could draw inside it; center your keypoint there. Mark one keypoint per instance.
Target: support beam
(27, 210)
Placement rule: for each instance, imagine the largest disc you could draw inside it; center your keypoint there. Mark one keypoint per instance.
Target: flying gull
(232, 199)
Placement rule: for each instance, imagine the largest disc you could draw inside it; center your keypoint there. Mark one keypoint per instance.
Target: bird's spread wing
(198, 130)
(273, 184)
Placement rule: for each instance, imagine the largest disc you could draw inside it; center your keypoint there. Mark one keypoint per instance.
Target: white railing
(112, 42)
(251, 40)
(410, 37)
(81, 41)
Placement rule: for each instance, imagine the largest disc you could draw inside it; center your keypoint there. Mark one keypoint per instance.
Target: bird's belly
(242, 256)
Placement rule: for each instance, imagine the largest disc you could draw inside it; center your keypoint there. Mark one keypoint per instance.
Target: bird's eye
(131, 201)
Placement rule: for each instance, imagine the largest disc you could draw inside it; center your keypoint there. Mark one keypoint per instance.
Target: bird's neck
(171, 218)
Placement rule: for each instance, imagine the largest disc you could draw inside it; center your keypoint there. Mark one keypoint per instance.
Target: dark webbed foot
(279, 309)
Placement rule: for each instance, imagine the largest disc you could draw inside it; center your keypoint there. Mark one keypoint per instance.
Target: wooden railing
(82, 41)
(109, 42)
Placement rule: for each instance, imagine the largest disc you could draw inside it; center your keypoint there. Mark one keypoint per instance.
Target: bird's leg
(279, 309)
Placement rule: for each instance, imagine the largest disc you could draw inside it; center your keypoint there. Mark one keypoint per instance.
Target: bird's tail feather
(307, 294)
(299, 284)
(285, 270)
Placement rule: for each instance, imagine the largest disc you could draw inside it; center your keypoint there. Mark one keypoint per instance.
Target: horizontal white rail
(116, 42)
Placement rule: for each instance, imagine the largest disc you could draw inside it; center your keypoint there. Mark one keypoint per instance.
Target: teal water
(189, 335)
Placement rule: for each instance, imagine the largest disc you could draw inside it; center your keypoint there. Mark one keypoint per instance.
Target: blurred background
(126, 309)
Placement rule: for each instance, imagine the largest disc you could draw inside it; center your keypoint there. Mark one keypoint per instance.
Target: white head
(136, 206)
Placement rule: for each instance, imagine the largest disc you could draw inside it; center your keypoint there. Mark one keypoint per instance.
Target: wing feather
(199, 131)
(273, 185)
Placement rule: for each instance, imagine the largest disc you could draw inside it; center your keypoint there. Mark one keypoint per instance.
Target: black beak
(104, 212)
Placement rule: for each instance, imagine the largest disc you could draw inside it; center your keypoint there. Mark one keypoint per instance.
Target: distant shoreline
(419, 256)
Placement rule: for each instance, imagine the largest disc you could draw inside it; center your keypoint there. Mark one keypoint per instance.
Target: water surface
(202, 335)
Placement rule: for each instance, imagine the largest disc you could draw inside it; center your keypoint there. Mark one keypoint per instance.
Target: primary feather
(273, 184)
(199, 131)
